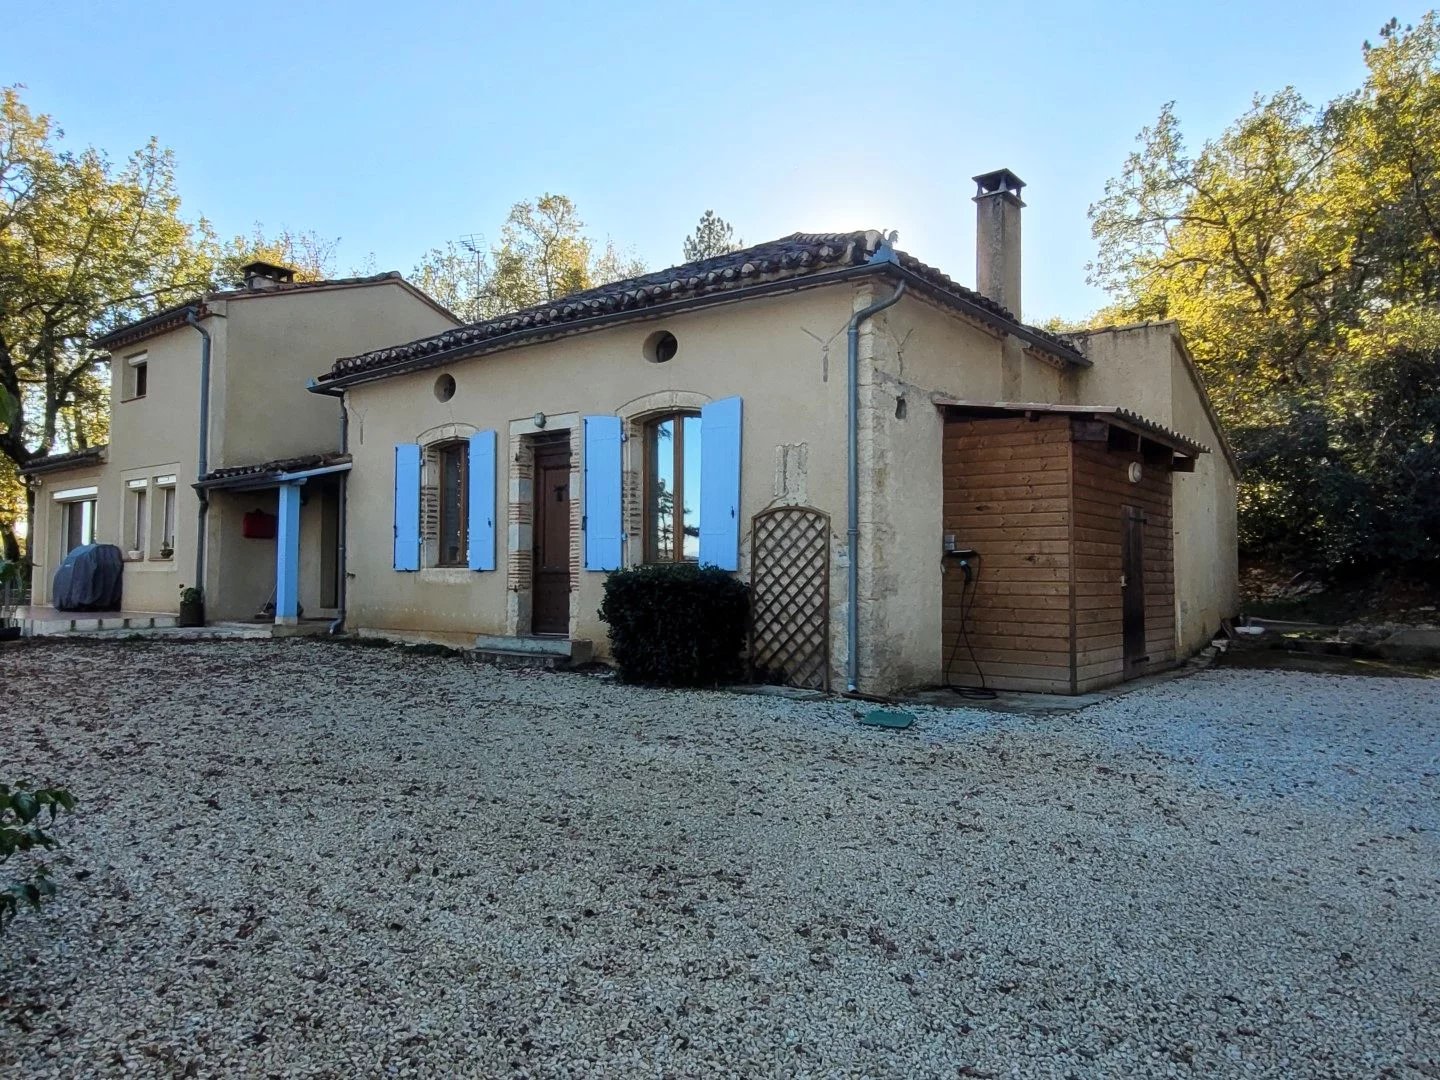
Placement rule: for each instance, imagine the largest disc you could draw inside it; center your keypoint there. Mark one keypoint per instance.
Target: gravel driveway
(299, 858)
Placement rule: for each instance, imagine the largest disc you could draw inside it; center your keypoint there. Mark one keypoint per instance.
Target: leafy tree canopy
(544, 253)
(1300, 253)
(87, 245)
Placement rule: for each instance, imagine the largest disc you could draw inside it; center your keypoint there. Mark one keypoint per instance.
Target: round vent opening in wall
(1135, 472)
(444, 387)
(661, 347)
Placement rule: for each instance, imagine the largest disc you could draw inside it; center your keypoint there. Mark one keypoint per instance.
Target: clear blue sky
(396, 126)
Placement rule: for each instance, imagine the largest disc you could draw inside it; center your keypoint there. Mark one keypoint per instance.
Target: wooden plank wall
(1102, 491)
(1007, 495)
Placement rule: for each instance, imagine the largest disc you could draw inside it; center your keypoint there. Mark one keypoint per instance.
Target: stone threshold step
(568, 650)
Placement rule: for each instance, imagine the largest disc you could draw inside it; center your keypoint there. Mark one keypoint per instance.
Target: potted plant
(192, 606)
(166, 551)
(12, 581)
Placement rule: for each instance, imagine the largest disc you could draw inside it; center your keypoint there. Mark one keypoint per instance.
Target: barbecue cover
(89, 579)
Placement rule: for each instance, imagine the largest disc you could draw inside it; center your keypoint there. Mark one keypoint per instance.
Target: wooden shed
(1060, 569)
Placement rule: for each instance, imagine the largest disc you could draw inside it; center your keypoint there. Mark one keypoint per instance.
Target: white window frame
(138, 510)
(169, 499)
(130, 377)
(87, 501)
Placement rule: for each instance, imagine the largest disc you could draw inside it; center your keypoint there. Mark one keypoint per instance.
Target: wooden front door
(550, 604)
(1133, 587)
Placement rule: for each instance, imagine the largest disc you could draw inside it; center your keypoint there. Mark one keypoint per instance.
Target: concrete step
(80, 623)
(531, 651)
(577, 651)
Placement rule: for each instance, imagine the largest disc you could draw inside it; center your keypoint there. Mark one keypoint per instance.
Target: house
(921, 488)
(208, 410)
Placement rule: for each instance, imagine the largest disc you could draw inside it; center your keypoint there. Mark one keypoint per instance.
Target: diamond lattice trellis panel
(790, 596)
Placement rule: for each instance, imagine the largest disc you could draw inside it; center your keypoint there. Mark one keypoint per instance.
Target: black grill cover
(89, 579)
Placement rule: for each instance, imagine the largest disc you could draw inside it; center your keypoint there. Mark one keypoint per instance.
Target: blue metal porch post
(287, 557)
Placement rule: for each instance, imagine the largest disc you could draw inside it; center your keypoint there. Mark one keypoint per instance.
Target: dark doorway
(1133, 585)
(550, 599)
(330, 544)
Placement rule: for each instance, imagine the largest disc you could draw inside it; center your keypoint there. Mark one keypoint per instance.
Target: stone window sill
(447, 575)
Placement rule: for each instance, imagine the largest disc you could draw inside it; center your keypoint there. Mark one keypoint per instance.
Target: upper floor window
(136, 376)
(453, 468)
(672, 488)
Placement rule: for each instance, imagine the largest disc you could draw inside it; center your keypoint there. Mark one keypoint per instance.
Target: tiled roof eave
(562, 319)
(549, 331)
(268, 472)
(73, 459)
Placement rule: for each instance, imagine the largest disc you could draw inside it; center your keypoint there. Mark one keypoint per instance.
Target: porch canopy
(1155, 440)
(287, 475)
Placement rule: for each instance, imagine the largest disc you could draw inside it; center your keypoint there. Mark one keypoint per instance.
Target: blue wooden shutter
(481, 525)
(407, 506)
(602, 493)
(720, 484)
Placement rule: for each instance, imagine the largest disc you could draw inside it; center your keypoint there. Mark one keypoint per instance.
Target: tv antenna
(474, 243)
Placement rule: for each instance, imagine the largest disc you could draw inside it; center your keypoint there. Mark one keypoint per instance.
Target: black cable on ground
(975, 693)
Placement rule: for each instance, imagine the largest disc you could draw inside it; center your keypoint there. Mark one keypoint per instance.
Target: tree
(458, 276)
(1300, 252)
(543, 255)
(310, 255)
(85, 246)
(713, 236)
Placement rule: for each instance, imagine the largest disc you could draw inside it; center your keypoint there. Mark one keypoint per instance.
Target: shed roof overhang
(1183, 450)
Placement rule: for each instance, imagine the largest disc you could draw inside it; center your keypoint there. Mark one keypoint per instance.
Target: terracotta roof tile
(69, 460)
(171, 317)
(794, 257)
(277, 467)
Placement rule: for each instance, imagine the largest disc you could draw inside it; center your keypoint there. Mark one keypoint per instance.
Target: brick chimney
(997, 237)
(261, 276)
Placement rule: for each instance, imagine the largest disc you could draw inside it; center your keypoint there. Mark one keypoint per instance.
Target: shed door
(1133, 587)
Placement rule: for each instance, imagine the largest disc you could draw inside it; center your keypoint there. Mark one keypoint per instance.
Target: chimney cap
(999, 182)
(260, 269)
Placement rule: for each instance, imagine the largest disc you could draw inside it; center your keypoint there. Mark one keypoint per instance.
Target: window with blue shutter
(407, 506)
(720, 484)
(482, 501)
(603, 532)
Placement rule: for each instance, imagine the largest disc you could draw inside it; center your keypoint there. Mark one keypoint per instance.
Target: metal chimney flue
(997, 237)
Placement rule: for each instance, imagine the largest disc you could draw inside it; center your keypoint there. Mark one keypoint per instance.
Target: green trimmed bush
(676, 624)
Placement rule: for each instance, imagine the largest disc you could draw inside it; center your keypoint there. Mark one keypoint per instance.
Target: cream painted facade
(266, 343)
(785, 357)
(1148, 364)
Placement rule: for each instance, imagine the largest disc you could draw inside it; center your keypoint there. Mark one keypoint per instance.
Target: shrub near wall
(676, 624)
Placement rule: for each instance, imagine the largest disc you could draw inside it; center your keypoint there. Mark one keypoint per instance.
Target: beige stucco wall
(784, 356)
(264, 350)
(917, 351)
(49, 520)
(151, 436)
(247, 581)
(1144, 368)
(276, 344)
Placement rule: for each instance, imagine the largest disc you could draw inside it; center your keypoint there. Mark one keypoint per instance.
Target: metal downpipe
(337, 625)
(203, 459)
(852, 532)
